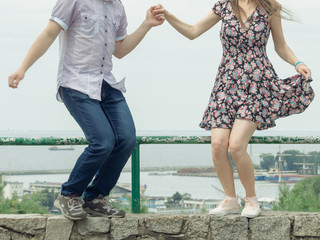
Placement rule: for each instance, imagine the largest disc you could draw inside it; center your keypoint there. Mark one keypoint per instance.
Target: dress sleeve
(217, 8)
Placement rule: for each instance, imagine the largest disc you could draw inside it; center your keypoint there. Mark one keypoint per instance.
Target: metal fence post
(135, 174)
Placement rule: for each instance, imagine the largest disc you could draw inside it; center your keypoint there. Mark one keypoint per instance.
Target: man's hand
(154, 19)
(15, 78)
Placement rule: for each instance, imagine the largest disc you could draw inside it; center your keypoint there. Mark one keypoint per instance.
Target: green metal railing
(135, 166)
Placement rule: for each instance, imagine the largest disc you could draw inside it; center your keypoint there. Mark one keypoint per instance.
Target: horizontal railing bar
(43, 141)
(156, 140)
(207, 140)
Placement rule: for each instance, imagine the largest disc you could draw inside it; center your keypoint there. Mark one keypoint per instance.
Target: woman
(247, 95)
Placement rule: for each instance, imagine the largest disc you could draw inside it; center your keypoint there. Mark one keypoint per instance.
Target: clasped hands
(158, 12)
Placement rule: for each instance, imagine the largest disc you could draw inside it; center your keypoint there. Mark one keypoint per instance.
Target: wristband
(296, 65)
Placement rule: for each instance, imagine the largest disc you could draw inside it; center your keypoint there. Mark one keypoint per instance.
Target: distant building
(156, 204)
(40, 186)
(125, 189)
(199, 204)
(11, 188)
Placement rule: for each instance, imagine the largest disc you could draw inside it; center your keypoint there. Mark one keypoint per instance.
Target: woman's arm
(189, 31)
(38, 48)
(281, 47)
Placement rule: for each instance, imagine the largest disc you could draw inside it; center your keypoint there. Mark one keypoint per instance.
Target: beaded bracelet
(296, 65)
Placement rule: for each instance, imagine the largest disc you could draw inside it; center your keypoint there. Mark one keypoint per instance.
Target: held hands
(159, 12)
(303, 70)
(15, 78)
(154, 19)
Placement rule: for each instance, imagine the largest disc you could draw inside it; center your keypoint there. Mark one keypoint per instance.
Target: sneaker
(100, 207)
(227, 206)
(251, 209)
(70, 207)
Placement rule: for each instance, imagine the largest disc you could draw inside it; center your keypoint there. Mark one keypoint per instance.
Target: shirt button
(103, 58)
(106, 30)
(102, 65)
(101, 72)
(105, 44)
(105, 17)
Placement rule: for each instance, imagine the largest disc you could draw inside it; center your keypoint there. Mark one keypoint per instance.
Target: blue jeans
(109, 127)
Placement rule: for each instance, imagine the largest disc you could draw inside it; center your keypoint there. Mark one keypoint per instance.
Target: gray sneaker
(100, 207)
(70, 207)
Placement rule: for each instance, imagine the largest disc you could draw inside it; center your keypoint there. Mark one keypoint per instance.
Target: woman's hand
(154, 19)
(303, 70)
(159, 12)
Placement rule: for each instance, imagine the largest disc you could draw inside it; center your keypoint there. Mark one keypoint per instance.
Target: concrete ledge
(268, 226)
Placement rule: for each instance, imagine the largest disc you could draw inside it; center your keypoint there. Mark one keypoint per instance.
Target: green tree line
(304, 197)
(38, 202)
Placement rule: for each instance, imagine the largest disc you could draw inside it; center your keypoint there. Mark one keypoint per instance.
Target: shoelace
(250, 203)
(74, 203)
(223, 202)
(106, 204)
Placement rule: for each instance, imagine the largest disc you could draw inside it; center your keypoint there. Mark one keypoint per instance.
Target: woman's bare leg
(221, 161)
(240, 136)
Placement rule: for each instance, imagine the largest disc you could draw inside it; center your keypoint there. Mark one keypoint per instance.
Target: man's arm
(126, 45)
(38, 48)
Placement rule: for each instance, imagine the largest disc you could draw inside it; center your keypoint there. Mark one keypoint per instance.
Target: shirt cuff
(121, 37)
(60, 22)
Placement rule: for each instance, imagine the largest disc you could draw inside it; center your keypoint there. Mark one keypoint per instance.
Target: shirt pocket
(89, 24)
(116, 24)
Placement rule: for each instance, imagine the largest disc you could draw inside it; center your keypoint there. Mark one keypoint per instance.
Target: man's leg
(98, 131)
(116, 109)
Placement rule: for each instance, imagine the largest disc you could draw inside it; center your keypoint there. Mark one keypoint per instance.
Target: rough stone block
(229, 227)
(197, 227)
(270, 228)
(165, 224)
(123, 228)
(58, 227)
(97, 237)
(306, 225)
(4, 234)
(93, 225)
(32, 224)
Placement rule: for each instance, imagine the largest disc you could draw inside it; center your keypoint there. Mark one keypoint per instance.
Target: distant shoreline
(67, 171)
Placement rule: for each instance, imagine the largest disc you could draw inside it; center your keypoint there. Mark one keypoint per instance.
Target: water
(198, 187)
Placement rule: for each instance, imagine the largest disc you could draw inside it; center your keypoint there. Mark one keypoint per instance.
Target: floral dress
(247, 86)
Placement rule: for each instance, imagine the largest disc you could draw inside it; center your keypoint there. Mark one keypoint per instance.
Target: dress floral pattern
(247, 86)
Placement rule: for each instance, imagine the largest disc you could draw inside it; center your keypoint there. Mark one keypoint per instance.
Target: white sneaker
(251, 209)
(227, 206)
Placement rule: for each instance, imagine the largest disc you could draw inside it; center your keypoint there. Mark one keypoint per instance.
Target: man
(92, 31)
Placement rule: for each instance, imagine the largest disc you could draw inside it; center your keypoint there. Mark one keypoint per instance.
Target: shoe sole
(250, 216)
(57, 205)
(224, 213)
(97, 214)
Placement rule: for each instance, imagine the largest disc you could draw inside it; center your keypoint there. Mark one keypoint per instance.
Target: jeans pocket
(76, 95)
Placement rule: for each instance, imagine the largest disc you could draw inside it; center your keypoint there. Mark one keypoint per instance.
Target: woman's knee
(237, 149)
(219, 146)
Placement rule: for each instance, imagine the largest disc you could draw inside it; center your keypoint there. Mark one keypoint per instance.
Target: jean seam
(87, 127)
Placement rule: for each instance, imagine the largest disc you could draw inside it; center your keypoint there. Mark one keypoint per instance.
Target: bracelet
(296, 65)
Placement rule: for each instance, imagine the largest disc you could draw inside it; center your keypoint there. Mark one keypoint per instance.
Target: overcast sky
(169, 78)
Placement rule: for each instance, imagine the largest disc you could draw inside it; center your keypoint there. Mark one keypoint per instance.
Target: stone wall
(268, 226)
